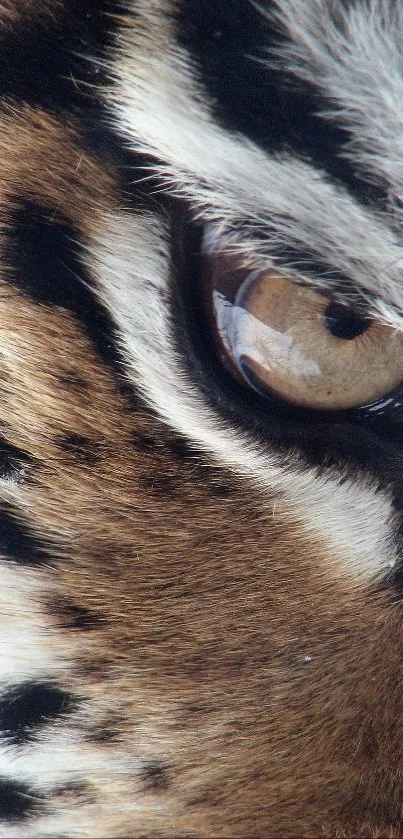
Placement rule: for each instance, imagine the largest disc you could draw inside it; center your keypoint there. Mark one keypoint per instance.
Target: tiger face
(201, 420)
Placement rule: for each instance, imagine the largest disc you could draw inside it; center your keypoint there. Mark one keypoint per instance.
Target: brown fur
(41, 159)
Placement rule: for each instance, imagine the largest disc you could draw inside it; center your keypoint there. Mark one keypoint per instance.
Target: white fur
(351, 521)
(230, 184)
(229, 181)
(63, 757)
(355, 57)
(29, 648)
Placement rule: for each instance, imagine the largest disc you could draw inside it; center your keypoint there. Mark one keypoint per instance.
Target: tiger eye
(287, 340)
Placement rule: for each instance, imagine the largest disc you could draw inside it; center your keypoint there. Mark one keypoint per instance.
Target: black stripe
(161, 486)
(17, 542)
(26, 707)
(12, 460)
(145, 443)
(17, 800)
(230, 42)
(58, 61)
(180, 450)
(44, 57)
(104, 734)
(155, 777)
(74, 616)
(45, 258)
(83, 450)
(75, 382)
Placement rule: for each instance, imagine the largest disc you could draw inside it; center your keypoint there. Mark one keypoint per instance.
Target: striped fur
(201, 630)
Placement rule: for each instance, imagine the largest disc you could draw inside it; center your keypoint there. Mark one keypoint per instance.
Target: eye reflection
(259, 344)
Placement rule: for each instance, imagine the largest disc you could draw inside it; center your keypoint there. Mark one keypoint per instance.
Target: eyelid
(308, 273)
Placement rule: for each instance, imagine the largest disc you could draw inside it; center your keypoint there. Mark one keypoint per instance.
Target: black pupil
(343, 322)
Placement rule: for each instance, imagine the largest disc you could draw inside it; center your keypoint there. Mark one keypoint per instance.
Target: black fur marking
(44, 253)
(163, 486)
(72, 616)
(57, 62)
(17, 542)
(144, 443)
(180, 450)
(45, 257)
(103, 735)
(134, 402)
(25, 708)
(71, 380)
(95, 666)
(12, 460)
(220, 490)
(394, 580)
(155, 776)
(230, 42)
(85, 451)
(17, 801)
(75, 794)
(44, 58)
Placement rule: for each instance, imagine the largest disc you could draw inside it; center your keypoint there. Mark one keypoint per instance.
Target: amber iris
(287, 340)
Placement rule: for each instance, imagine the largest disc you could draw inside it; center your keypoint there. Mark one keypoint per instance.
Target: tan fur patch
(41, 159)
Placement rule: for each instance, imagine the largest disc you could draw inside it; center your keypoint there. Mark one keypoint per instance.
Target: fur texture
(201, 629)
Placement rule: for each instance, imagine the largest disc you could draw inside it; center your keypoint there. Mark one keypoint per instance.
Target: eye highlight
(288, 341)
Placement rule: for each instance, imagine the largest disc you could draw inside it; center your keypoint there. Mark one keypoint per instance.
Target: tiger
(201, 418)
